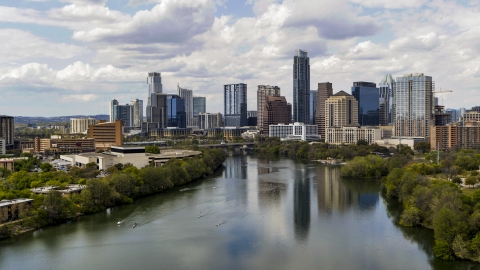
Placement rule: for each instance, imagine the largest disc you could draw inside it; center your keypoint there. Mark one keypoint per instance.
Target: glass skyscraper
(154, 81)
(301, 87)
(176, 115)
(387, 101)
(235, 102)
(367, 95)
(199, 105)
(413, 105)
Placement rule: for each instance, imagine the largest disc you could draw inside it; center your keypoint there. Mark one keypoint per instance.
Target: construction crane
(441, 92)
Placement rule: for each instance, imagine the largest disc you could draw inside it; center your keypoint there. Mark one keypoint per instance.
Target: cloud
(86, 2)
(171, 21)
(23, 45)
(78, 98)
(390, 4)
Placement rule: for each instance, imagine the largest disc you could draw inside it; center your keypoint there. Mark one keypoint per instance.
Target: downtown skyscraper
(263, 92)
(413, 105)
(154, 81)
(387, 100)
(301, 87)
(367, 95)
(235, 102)
(187, 95)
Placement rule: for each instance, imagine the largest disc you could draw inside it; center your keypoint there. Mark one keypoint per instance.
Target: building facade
(441, 117)
(80, 125)
(313, 106)
(276, 111)
(154, 82)
(235, 102)
(123, 113)
(12, 209)
(325, 90)
(137, 105)
(387, 101)
(367, 95)
(3, 148)
(7, 129)
(156, 112)
(295, 131)
(210, 120)
(301, 87)
(113, 103)
(263, 92)
(341, 111)
(106, 134)
(413, 105)
(187, 96)
(63, 146)
(176, 116)
(454, 136)
(351, 135)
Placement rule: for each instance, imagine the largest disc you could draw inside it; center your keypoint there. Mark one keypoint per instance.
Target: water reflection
(301, 205)
(236, 167)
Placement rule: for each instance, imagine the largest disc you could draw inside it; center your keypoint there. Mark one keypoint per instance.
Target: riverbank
(121, 186)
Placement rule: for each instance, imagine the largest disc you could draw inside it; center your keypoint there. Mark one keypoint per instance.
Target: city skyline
(70, 57)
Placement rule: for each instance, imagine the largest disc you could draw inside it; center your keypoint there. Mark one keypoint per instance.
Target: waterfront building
(325, 90)
(301, 87)
(106, 134)
(413, 105)
(12, 209)
(387, 100)
(187, 96)
(295, 131)
(210, 120)
(263, 92)
(351, 135)
(367, 95)
(341, 110)
(80, 125)
(313, 106)
(276, 111)
(252, 118)
(137, 113)
(7, 129)
(235, 105)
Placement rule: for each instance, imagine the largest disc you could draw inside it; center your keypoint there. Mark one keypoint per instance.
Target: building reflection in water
(336, 194)
(270, 193)
(236, 167)
(301, 205)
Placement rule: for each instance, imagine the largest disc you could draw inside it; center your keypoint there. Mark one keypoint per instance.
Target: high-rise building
(176, 116)
(137, 112)
(154, 81)
(325, 90)
(413, 105)
(156, 112)
(313, 106)
(199, 105)
(263, 92)
(7, 129)
(252, 118)
(113, 103)
(301, 87)
(367, 95)
(123, 113)
(210, 120)
(387, 101)
(455, 136)
(441, 116)
(341, 111)
(80, 125)
(276, 111)
(187, 96)
(455, 114)
(235, 102)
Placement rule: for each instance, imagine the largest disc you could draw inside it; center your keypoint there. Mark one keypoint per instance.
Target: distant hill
(55, 119)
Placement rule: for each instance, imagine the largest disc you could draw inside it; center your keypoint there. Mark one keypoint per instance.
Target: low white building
(393, 142)
(295, 131)
(126, 154)
(349, 135)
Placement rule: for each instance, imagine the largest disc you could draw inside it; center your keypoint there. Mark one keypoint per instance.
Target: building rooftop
(14, 201)
(341, 93)
(68, 189)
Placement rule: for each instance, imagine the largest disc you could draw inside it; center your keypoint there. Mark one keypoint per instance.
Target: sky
(70, 57)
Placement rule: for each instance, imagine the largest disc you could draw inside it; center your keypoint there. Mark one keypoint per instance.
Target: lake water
(272, 214)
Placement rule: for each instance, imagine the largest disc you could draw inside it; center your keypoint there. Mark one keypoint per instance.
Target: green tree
(152, 149)
(362, 142)
(470, 180)
(46, 167)
(422, 147)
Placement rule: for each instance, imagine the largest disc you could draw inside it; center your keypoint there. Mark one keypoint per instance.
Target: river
(271, 214)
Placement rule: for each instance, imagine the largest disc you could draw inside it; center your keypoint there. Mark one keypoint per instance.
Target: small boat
(119, 222)
(214, 187)
(134, 225)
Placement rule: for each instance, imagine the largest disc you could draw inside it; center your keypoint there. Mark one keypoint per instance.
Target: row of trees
(122, 185)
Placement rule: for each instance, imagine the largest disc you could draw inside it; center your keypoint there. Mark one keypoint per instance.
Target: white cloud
(78, 98)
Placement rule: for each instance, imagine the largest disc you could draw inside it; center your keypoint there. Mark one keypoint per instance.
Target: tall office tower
(154, 81)
(341, 111)
(368, 97)
(123, 113)
(137, 112)
(387, 101)
(413, 105)
(301, 87)
(187, 96)
(441, 116)
(156, 113)
(106, 134)
(455, 115)
(199, 105)
(263, 92)
(276, 111)
(252, 118)
(7, 129)
(113, 103)
(80, 125)
(176, 116)
(325, 90)
(313, 106)
(235, 102)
